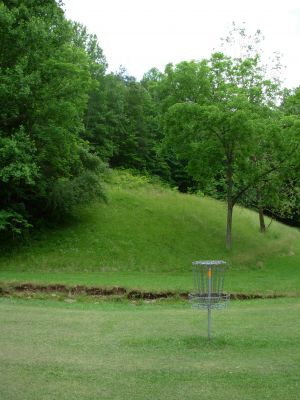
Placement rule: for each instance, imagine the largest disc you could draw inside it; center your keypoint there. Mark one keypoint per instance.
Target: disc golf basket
(208, 287)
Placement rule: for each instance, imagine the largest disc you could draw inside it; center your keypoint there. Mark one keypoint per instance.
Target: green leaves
(232, 138)
(45, 81)
(18, 159)
(68, 193)
(13, 222)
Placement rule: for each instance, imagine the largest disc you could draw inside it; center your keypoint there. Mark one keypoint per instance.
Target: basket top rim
(209, 262)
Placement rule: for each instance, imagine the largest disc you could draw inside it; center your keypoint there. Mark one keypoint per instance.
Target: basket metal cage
(208, 279)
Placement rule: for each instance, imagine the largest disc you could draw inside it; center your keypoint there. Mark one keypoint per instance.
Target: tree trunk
(262, 225)
(230, 202)
(229, 225)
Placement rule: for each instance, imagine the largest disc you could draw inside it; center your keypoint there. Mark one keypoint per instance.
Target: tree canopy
(222, 125)
(45, 81)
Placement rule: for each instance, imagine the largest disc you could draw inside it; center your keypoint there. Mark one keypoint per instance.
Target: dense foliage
(45, 80)
(218, 126)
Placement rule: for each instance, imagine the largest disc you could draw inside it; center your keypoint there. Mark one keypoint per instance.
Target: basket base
(214, 301)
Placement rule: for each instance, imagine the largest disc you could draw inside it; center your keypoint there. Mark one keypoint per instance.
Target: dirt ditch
(30, 288)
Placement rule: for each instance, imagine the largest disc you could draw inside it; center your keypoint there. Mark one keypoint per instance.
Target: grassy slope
(147, 237)
(52, 350)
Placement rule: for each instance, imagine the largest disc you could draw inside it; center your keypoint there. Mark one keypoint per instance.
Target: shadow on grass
(216, 343)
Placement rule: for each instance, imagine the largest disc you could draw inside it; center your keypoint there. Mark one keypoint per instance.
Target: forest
(223, 127)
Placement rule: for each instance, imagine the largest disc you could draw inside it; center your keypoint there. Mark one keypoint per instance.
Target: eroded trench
(28, 289)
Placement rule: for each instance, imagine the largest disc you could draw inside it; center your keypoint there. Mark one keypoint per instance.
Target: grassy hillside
(145, 229)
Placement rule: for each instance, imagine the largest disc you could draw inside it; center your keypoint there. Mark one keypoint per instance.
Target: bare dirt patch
(31, 288)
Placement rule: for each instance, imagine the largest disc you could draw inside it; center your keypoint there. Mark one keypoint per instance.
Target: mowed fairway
(55, 350)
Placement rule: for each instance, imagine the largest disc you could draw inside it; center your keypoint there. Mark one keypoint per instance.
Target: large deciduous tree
(45, 80)
(224, 134)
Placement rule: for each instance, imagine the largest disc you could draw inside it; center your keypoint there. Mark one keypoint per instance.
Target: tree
(184, 82)
(267, 78)
(291, 107)
(45, 79)
(224, 135)
(121, 123)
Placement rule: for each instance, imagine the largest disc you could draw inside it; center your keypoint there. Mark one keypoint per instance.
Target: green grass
(275, 278)
(147, 236)
(51, 350)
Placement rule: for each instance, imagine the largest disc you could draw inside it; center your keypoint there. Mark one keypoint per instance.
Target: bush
(13, 222)
(68, 193)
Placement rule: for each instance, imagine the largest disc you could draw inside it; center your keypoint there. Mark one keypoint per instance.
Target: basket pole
(209, 304)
